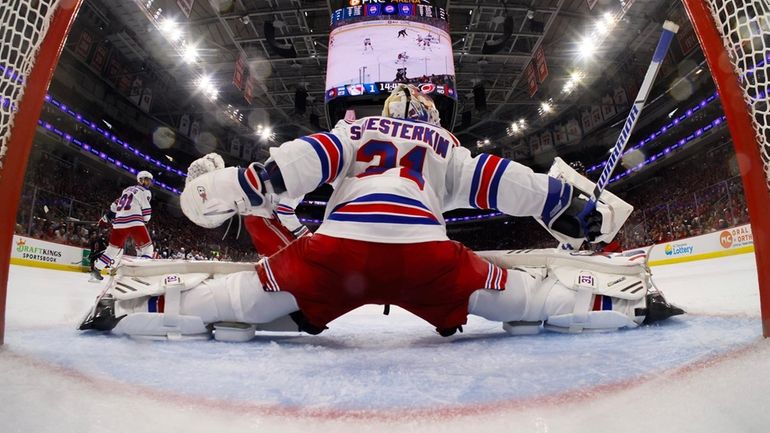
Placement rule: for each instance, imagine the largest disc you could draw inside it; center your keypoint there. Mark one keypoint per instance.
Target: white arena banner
(727, 242)
(34, 252)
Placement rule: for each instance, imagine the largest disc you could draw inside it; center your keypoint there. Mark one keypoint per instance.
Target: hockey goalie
(383, 241)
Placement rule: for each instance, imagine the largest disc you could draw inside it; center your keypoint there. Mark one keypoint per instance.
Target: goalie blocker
(546, 289)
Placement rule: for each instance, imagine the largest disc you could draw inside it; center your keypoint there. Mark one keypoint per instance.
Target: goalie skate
(102, 315)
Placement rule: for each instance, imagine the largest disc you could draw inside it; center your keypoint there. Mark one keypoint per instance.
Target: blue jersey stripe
(477, 179)
(254, 198)
(552, 200)
(384, 197)
(390, 197)
(322, 158)
(338, 145)
(495, 184)
(383, 219)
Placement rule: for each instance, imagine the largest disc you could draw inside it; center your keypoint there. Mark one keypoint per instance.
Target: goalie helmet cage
(733, 35)
(32, 35)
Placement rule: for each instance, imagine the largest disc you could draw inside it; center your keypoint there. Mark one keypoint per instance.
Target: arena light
(168, 25)
(190, 53)
(586, 48)
(546, 108)
(170, 28)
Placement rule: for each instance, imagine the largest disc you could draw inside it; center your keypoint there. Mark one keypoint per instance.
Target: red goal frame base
(755, 181)
(22, 133)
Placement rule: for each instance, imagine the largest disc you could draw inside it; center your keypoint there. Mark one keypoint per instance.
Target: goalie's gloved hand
(214, 197)
(203, 165)
(569, 213)
(579, 220)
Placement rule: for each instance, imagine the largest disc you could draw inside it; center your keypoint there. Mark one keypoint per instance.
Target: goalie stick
(669, 30)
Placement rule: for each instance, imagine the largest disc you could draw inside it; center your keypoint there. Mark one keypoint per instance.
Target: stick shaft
(669, 29)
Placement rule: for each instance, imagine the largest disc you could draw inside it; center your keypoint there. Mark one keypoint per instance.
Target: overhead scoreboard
(375, 45)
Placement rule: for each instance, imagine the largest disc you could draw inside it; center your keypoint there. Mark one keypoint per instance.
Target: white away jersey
(132, 208)
(393, 179)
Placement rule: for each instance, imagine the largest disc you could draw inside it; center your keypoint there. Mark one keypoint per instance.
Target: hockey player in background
(383, 241)
(96, 244)
(368, 44)
(128, 215)
(400, 75)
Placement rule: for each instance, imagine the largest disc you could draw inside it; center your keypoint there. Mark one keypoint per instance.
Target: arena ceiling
(224, 30)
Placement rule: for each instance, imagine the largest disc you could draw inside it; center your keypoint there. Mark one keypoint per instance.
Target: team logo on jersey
(202, 193)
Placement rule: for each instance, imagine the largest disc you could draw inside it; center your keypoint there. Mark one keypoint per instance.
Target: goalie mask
(406, 101)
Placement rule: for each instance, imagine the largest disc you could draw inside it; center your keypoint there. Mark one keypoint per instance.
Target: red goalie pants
(267, 234)
(139, 234)
(330, 276)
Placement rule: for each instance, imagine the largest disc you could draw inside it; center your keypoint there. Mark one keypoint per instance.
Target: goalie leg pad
(591, 311)
(153, 326)
(170, 324)
(566, 298)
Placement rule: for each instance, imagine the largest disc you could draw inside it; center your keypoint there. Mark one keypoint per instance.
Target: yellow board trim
(711, 255)
(57, 266)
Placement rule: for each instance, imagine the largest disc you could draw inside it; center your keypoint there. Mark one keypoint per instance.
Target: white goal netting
(23, 26)
(745, 29)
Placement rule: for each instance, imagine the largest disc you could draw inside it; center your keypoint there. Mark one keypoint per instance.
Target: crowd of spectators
(65, 194)
(700, 194)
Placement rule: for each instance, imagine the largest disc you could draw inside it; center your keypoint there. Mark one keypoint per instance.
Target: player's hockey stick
(669, 29)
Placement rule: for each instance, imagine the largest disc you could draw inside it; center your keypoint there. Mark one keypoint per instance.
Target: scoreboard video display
(376, 45)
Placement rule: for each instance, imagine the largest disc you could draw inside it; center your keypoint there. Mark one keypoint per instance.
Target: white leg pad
(562, 297)
(173, 286)
(594, 321)
(167, 325)
(589, 284)
(153, 326)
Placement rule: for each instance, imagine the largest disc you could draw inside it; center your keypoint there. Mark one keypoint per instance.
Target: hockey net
(735, 38)
(32, 34)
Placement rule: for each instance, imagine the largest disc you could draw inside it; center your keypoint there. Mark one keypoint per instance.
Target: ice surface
(705, 372)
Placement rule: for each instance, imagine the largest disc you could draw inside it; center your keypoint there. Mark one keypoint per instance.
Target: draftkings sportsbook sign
(29, 251)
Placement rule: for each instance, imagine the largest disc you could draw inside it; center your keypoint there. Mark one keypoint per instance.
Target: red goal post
(32, 35)
(733, 35)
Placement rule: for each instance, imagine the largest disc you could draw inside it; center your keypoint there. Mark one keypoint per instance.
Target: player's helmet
(406, 101)
(143, 175)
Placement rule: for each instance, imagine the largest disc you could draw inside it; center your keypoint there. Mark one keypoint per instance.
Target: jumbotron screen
(373, 57)
(373, 46)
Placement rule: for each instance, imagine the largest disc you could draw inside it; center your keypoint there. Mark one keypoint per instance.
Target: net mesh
(745, 29)
(23, 25)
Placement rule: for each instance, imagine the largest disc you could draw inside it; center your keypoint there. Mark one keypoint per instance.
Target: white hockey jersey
(393, 179)
(132, 208)
(284, 210)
